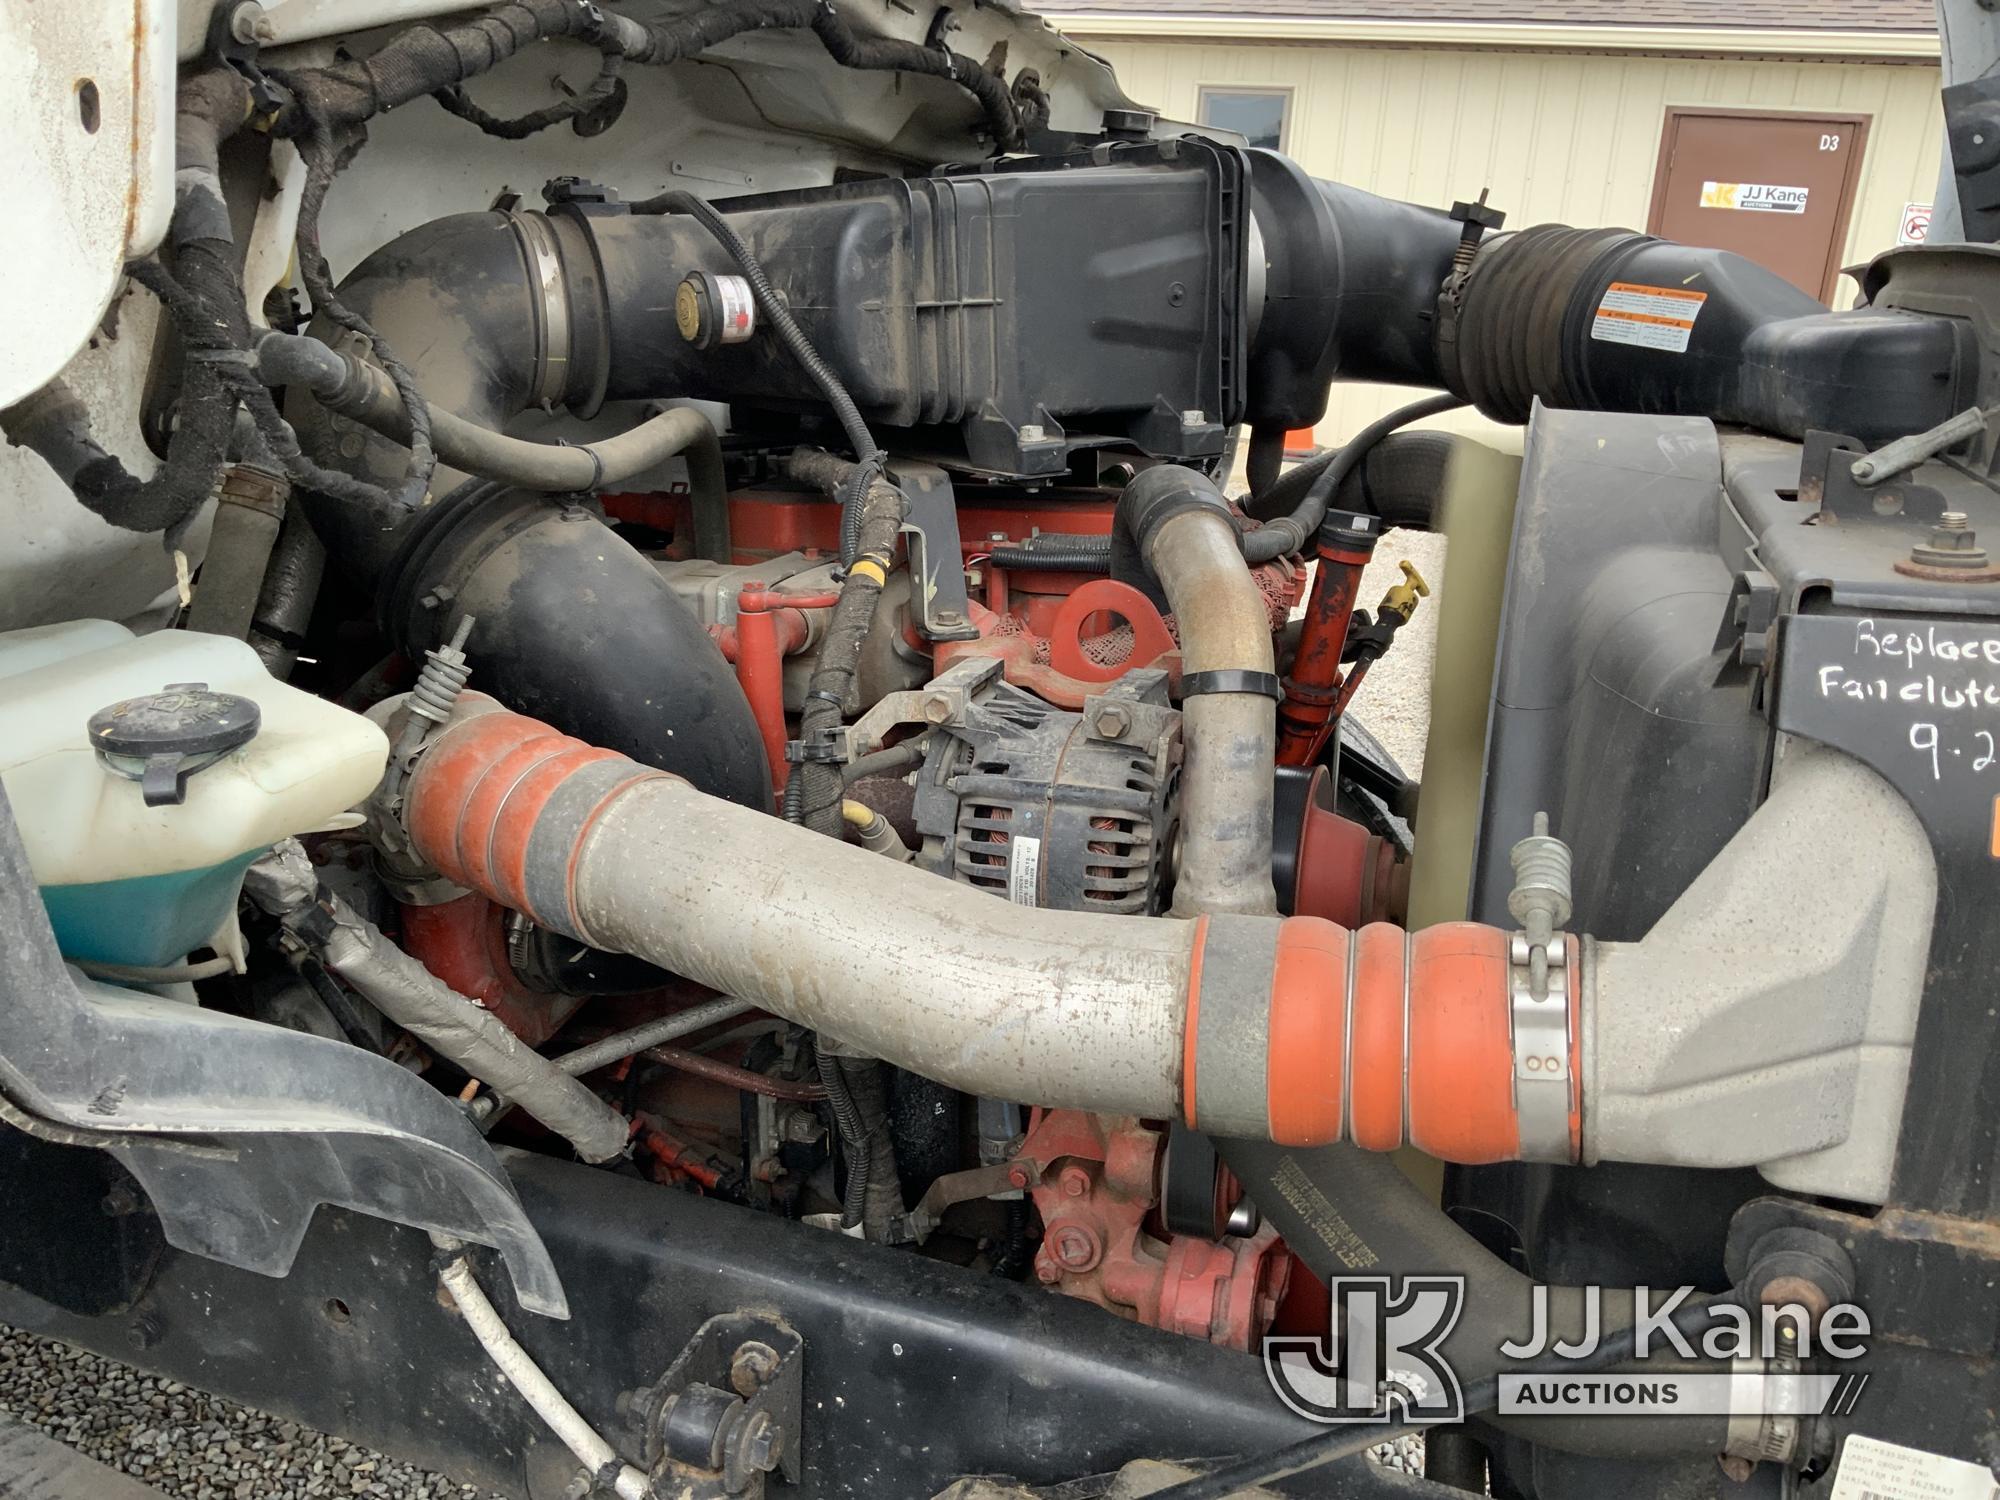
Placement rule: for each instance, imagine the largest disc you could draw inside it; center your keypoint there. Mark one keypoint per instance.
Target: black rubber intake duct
(576, 627)
(1608, 320)
(573, 624)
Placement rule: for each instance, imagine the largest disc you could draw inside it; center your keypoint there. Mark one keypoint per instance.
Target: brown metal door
(1774, 187)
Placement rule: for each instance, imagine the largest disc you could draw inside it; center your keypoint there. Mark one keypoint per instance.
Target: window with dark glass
(1258, 115)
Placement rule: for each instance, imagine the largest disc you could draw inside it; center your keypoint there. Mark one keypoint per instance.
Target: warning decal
(1758, 197)
(1652, 317)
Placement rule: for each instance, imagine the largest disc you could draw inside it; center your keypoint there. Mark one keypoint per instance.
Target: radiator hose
(1400, 480)
(1342, 1210)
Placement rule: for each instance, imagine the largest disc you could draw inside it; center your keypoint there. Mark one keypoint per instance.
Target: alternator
(1052, 808)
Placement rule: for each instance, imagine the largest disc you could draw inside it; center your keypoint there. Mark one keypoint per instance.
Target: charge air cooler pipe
(1285, 1029)
(1175, 523)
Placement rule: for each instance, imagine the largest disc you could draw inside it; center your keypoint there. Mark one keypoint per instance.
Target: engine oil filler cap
(161, 739)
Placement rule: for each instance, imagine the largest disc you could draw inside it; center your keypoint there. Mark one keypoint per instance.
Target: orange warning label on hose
(1652, 317)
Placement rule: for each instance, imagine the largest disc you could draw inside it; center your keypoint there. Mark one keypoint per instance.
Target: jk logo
(1379, 1361)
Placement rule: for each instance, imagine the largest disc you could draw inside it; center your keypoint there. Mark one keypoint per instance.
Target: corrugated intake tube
(1291, 1029)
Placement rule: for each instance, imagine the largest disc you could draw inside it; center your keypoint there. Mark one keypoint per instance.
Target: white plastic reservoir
(126, 883)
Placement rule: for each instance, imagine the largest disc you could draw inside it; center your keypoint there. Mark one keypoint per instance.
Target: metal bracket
(727, 1412)
(937, 562)
(943, 700)
(236, 33)
(996, 1179)
(1828, 480)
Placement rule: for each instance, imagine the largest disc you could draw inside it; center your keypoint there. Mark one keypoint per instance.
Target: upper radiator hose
(1286, 1029)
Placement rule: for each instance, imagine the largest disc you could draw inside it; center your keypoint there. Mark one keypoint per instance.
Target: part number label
(1024, 871)
(1871, 1469)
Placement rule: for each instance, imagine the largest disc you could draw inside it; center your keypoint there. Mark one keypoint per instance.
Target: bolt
(1076, 1247)
(1047, 1272)
(1953, 533)
(752, 1364)
(1075, 1182)
(144, 1330)
(1112, 722)
(801, 1127)
(249, 25)
(1018, 1176)
(1781, 1291)
(1953, 544)
(937, 708)
(1194, 418)
(1033, 432)
(949, 617)
(762, 1439)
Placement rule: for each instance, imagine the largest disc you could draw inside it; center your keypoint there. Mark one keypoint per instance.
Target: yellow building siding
(1559, 137)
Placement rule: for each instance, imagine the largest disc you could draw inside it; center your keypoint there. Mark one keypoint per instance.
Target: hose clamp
(552, 321)
(1232, 680)
(1541, 1032)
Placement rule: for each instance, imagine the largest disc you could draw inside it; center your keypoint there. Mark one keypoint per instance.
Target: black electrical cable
(1056, 552)
(1288, 534)
(1347, 1440)
(238, 377)
(868, 456)
(595, 108)
(853, 1132)
(324, 158)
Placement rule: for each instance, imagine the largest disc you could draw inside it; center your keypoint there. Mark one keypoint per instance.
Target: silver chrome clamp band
(552, 321)
(1541, 1029)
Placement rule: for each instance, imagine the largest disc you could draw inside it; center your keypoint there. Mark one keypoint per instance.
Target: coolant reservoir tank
(146, 772)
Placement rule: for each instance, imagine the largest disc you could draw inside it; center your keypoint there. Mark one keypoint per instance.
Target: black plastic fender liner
(575, 627)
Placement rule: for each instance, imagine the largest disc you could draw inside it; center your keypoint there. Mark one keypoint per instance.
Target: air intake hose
(574, 625)
(1287, 1029)
(1608, 320)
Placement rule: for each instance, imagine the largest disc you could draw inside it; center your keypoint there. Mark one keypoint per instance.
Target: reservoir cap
(161, 739)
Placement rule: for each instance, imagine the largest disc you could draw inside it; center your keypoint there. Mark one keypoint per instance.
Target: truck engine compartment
(697, 831)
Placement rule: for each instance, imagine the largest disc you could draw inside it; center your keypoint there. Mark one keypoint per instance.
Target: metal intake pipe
(1292, 1029)
(1181, 528)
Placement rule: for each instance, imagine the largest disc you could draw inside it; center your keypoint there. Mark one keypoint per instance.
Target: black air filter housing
(1062, 302)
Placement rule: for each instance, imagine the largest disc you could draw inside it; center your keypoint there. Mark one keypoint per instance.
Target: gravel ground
(196, 1447)
(188, 1445)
